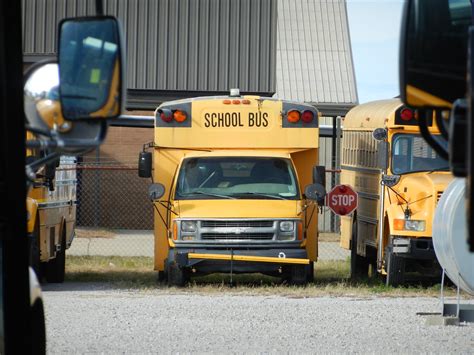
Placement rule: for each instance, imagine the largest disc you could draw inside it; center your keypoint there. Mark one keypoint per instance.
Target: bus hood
(422, 191)
(423, 187)
(238, 208)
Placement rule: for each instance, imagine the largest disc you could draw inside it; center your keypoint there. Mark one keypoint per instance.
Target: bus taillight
(307, 116)
(293, 116)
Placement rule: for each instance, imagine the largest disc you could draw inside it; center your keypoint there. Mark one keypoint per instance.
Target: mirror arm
(39, 131)
(38, 163)
(442, 125)
(443, 153)
(35, 144)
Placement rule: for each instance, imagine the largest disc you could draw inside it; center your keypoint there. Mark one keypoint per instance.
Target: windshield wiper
(275, 197)
(208, 194)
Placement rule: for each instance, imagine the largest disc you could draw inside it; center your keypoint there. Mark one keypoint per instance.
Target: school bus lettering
(223, 119)
(258, 119)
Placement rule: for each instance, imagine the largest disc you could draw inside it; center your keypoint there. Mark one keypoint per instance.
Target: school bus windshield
(237, 178)
(410, 153)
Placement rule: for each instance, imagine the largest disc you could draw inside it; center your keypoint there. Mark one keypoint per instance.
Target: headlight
(287, 226)
(188, 226)
(409, 225)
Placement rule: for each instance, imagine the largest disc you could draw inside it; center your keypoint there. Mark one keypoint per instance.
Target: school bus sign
(342, 200)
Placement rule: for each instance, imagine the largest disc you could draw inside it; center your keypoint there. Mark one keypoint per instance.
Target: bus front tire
(395, 269)
(359, 264)
(297, 275)
(56, 268)
(177, 276)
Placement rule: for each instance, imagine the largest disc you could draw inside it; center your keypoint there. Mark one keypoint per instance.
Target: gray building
(291, 49)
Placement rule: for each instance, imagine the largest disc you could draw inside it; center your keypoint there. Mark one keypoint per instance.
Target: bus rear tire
(359, 264)
(395, 269)
(56, 268)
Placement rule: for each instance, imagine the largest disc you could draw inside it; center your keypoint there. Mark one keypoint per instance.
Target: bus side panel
(165, 163)
(367, 184)
(304, 162)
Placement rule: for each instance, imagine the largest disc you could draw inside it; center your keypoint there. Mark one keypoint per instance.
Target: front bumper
(413, 248)
(237, 260)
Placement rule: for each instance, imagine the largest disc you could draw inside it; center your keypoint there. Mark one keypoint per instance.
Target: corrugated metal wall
(191, 45)
(314, 57)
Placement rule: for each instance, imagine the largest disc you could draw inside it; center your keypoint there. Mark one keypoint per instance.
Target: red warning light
(406, 114)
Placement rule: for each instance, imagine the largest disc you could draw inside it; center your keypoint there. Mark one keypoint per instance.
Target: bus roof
(372, 114)
(236, 122)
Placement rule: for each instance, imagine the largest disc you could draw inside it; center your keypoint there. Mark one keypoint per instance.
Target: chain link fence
(115, 216)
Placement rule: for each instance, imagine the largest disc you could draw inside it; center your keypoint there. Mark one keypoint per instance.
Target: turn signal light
(175, 231)
(300, 231)
(307, 116)
(179, 116)
(293, 116)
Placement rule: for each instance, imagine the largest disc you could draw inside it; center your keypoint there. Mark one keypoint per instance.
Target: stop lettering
(342, 200)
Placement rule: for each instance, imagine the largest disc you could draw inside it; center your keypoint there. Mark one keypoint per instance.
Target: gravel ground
(89, 318)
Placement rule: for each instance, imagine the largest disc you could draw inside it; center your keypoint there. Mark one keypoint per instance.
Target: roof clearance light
(246, 102)
(406, 114)
(293, 116)
(179, 116)
(226, 102)
(166, 115)
(236, 102)
(307, 116)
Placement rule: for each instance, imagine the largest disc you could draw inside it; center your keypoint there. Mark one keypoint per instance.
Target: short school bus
(231, 173)
(391, 228)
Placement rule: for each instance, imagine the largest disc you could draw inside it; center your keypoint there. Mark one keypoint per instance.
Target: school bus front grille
(235, 236)
(241, 224)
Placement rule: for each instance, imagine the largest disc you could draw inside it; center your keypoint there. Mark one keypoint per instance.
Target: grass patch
(331, 279)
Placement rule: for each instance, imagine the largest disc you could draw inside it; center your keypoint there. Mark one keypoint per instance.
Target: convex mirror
(316, 192)
(42, 108)
(433, 52)
(90, 68)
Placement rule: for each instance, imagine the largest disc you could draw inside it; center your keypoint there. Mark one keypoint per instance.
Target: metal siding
(314, 60)
(188, 45)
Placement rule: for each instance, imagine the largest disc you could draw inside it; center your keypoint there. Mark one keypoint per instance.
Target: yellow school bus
(399, 179)
(231, 197)
(51, 211)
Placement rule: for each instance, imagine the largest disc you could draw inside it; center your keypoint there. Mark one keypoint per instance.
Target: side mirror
(144, 164)
(433, 40)
(319, 175)
(156, 191)
(90, 68)
(382, 155)
(379, 134)
(86, 85)
(315, 192)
